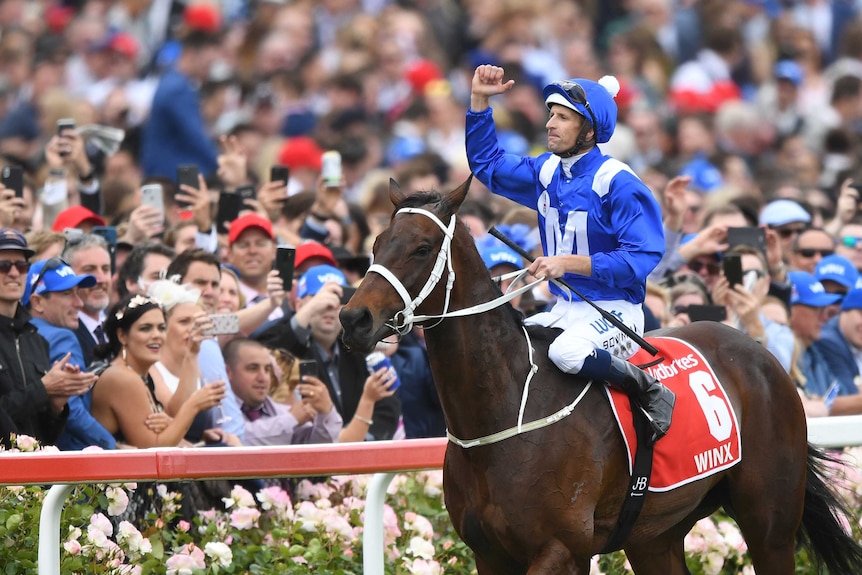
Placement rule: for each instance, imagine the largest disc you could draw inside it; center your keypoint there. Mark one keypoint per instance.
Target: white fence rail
(383, 458)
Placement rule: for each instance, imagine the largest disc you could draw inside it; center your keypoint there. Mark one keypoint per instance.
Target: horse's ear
(395, 194)
(456, 196)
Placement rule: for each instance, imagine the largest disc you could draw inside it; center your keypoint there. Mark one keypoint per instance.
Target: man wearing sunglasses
(600, 226)
(54, 302)
(33, 393)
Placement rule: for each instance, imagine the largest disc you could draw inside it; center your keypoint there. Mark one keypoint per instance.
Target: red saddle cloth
(704, 434)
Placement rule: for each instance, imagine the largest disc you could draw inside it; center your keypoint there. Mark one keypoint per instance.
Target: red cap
(203, 16)
(124, 44)
(241, 224)
(74, 217)
(421, 73)
(308, 250)
(301, 152)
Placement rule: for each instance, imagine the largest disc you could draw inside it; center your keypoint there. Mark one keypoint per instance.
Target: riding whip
(562, 283)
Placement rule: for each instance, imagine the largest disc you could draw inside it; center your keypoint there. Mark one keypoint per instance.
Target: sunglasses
(22, 266)
(851, 241)
(678, 309)
(788, 232)
(51, 264)
(811, 252)
(578, 95)
(712, 269)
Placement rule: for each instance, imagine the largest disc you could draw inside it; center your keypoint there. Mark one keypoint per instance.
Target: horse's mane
(424, 198)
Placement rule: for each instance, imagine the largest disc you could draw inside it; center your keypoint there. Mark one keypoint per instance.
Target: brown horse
(547, 500)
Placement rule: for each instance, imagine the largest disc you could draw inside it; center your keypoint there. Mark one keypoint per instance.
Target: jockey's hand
(548, 267)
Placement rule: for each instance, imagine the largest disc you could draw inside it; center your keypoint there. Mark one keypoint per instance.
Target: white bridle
(402, 322)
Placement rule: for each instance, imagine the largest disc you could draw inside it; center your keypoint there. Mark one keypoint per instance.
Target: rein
(402, 322)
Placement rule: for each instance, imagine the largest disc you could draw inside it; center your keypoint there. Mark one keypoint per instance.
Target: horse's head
(412, 261)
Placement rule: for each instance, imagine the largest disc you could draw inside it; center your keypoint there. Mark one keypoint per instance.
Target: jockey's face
(563, 127)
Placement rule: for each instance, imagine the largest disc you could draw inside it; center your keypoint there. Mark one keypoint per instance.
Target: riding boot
(656, 400)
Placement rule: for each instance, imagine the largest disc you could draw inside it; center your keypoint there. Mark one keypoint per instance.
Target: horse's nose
(357, 325)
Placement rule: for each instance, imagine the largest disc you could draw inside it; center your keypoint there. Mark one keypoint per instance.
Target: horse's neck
(479, 364)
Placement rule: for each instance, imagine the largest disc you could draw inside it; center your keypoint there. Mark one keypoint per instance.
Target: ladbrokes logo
(668, 370)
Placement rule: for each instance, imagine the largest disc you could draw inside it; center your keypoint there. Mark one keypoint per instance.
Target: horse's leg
(658, 557)
(556, 559)
(769, 519)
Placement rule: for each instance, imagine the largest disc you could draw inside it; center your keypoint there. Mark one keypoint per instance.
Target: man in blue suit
(52, 295)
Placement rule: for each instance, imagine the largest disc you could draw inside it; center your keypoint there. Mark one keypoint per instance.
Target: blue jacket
(82, 429)
(175, 132)
(604, 211)
(842, 364)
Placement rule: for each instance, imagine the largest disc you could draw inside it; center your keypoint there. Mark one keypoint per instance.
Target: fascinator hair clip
(136, 301)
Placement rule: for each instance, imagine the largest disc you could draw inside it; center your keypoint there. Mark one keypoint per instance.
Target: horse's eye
(423, 250)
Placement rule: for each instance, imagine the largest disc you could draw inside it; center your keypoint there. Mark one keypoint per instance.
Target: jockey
(600, 226)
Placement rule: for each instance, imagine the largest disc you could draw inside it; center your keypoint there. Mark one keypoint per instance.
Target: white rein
(403, 322)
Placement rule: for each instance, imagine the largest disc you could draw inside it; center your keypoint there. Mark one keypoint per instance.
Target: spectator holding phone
(251, 250)
(743, 298)
(53, 298)
(201, 270)
(314, 332)
(309, 419)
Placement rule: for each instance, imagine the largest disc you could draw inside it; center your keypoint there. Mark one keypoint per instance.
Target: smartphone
(152, 195)
(732, 265)
(229, 205)
(330, 170)
(64, 124)
(279, 174)
(707, 312)
(307, 367)
(284, 263)
(187, 174)
(347, 293)
(107, 232)
(747, 236)
(12, 177)
(246, 193)
(223, 324)
(110, 235)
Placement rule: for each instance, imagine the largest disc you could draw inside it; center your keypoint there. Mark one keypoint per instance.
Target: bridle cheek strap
(403, 321)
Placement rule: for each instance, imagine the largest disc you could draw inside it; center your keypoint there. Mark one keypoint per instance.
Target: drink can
(377, 360)
(331, 169)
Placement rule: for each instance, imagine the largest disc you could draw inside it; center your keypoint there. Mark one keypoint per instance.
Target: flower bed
(318, 531)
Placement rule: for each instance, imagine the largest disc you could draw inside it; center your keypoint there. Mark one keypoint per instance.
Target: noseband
(402, 322)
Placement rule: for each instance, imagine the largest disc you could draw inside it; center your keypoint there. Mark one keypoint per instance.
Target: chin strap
(581, 141)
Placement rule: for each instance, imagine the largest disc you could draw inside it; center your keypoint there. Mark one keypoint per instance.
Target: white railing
(382, 458)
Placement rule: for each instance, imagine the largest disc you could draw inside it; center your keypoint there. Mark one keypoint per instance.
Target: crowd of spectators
(736, 114)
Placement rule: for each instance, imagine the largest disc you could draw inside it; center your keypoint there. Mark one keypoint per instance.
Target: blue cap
(808, 291)
(789, 70)
(403, 148)
(314, 279)
(57, 279)
(705, 177)
(853, 300)
(837, 269)
(600, 99)
(782, 212)
(498, 255)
